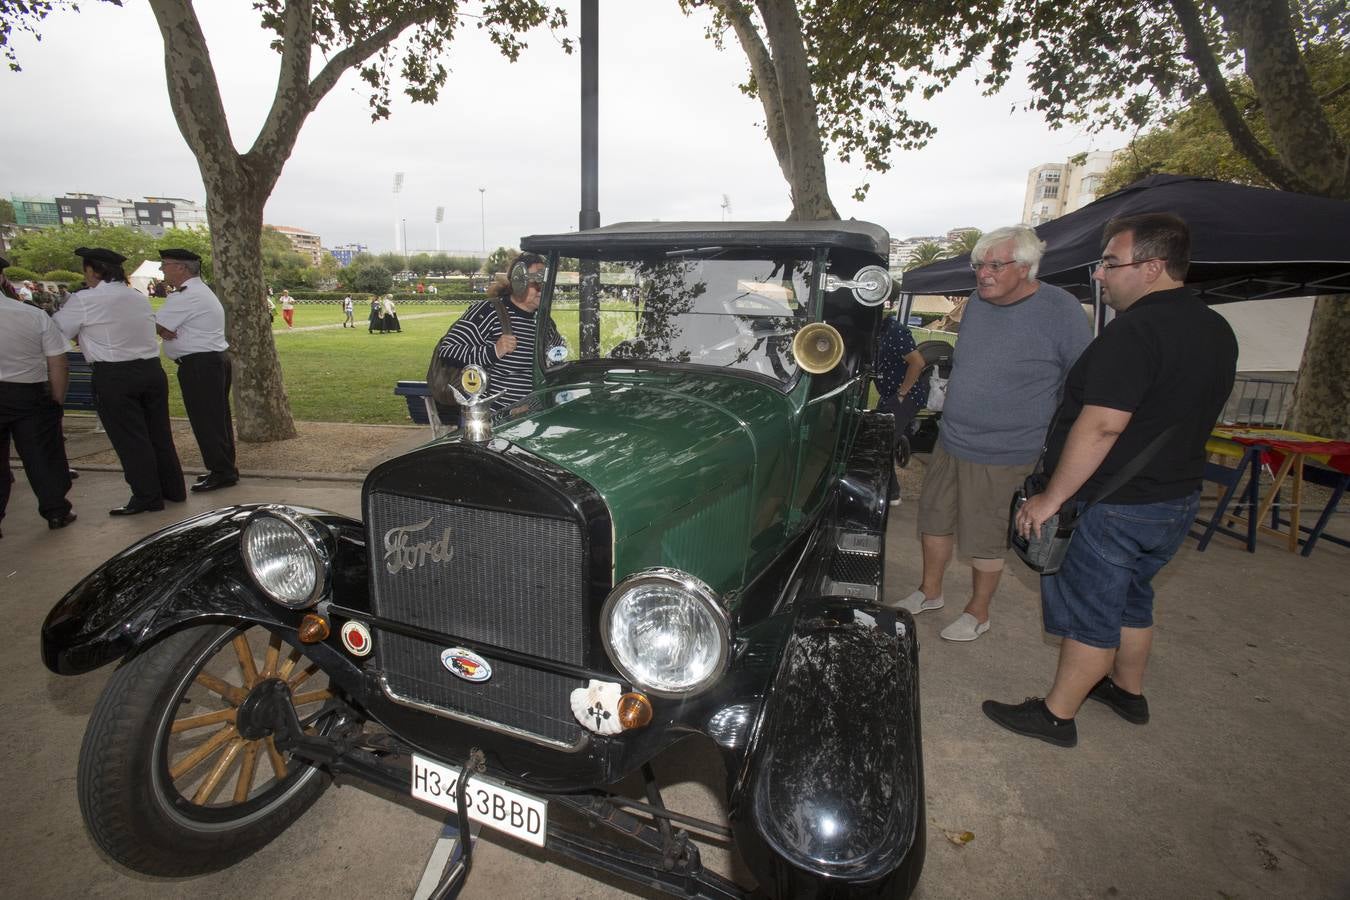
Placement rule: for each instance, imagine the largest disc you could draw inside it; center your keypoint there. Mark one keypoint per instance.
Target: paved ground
(1238, 788)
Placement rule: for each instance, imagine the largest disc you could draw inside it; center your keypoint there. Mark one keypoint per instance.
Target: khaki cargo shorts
(969, 500)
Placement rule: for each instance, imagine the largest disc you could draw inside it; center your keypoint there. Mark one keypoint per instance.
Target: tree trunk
(262, 411)
(1299, 128)
(1322, 396)
(783, 83)
(796, 99)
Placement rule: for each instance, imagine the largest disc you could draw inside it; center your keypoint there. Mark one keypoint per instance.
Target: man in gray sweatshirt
(1019, 338)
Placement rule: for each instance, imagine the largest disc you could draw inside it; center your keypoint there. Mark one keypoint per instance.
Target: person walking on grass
(347, 309)
(288, 309)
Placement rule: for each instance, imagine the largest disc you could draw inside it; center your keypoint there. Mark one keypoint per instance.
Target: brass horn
(818, 347)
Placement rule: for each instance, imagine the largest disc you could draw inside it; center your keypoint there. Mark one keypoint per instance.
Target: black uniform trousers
(132, 399)
(33, 419)
(204, 379)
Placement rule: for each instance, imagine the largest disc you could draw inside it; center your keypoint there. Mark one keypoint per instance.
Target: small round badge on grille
(356, 638)
(466, 664)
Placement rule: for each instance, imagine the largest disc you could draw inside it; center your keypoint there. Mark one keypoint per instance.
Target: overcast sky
(90, 113)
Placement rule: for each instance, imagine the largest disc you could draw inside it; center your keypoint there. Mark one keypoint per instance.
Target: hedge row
(400, 299)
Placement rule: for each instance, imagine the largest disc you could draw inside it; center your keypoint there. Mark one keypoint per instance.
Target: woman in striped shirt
(478, 338)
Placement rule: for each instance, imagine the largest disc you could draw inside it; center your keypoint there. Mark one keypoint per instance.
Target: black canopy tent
(1247, 243)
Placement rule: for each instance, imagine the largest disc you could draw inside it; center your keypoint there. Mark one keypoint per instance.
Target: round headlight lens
(284, 557)
(665, 632)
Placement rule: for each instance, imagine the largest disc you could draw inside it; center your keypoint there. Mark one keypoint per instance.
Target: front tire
(166, 785)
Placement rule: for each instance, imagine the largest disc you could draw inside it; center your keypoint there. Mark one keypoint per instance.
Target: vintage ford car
(677, 536)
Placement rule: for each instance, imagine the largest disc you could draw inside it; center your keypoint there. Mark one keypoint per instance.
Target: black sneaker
(1130, 707)
(1033, 719)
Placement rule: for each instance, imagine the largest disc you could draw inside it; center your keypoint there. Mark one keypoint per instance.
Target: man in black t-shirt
(1166, 361)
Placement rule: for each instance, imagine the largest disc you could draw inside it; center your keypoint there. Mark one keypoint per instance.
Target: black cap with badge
(181, 255)
(100, 254)
(4, 264)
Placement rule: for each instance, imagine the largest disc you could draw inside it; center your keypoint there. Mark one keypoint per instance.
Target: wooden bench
(421, 408)
(80, 391)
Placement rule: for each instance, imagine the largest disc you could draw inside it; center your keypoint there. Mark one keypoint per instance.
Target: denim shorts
(1106, 580)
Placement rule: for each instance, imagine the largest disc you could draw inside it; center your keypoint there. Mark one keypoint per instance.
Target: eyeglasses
(1102, 265)
(994, 267)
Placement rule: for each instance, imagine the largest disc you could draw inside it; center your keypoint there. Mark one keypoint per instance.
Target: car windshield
(718, 311)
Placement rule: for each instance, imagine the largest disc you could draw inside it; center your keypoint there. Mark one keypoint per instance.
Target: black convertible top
(844, 235)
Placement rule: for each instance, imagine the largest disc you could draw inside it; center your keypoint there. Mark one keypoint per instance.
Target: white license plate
(490, 803)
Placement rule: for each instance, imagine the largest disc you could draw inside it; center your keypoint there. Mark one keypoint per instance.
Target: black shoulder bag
(1045, 554)
(443, 375)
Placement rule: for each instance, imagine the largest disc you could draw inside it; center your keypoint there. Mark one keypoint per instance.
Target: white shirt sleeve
(173, 313)
(53, 343)
(70, 317)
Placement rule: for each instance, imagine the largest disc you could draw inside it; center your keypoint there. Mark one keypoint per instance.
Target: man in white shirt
(192, 324)
(115, 326)
(33, 379)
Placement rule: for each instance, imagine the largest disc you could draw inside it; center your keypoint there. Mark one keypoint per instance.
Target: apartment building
(1054, 189)
(302, 241)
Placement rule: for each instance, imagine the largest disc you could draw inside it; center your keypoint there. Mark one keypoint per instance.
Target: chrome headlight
(287, 554)
(666, 632)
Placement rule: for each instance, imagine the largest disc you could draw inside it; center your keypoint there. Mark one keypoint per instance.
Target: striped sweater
(472, 341)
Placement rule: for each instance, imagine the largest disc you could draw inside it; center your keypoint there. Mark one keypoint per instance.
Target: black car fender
(829, 797)
(190, 572)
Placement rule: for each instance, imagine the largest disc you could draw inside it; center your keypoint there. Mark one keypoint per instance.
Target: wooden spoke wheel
(167, 784)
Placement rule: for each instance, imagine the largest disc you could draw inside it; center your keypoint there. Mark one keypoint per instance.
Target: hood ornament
(475, 404)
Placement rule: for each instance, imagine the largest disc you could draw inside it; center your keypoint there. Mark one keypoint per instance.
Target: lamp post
(398, 187)
(482, 220)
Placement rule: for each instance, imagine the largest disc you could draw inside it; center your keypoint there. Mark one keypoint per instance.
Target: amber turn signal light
(313, 628)
(635, 711)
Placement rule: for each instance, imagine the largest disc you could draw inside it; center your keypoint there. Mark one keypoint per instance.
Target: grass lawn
(336, 374)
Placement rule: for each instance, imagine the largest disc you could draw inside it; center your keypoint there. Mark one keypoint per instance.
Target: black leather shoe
(133, 507)
(214, 482)
(56, 522)
(1130, 707)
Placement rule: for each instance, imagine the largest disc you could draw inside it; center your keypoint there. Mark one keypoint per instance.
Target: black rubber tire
(129, 804)
(902, 452)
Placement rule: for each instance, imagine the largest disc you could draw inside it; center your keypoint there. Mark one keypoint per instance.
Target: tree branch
(766, 79)
(1201, 54)
(801, 125)
(194, 95)
(297, 96)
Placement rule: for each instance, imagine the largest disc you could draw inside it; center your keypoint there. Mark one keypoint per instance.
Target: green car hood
(694, 470)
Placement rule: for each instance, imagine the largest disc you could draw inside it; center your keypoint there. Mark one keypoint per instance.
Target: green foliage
(54, 248)
(283, 267)
(370, 279)
(19, 273)
(1192, 141)
(198, 240)
(926, 253)
(964, 242)
(499, 259)
(7, 213)
(64, 276)
(1091, 63)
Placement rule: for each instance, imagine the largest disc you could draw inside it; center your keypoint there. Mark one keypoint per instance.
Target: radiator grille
(511, 580)
(516, 696)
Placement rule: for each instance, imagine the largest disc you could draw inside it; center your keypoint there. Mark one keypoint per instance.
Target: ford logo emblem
(466, 664)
